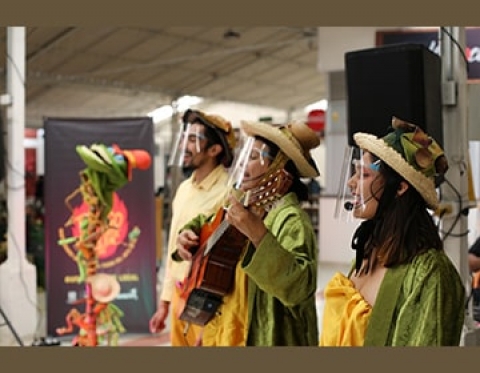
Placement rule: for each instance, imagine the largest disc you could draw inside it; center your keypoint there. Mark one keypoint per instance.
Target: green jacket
(419, 304)
(282, 280)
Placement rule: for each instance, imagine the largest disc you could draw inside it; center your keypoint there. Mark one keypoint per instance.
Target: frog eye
(119, 158)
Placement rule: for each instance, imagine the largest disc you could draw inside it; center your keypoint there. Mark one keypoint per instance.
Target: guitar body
(212, 275)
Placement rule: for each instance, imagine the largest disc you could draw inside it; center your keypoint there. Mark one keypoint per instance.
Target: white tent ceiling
(129, 71)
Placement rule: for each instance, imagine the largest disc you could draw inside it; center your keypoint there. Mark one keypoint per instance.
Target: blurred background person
(206, 147)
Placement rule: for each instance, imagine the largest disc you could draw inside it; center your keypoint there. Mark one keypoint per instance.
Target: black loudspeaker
(402, 80)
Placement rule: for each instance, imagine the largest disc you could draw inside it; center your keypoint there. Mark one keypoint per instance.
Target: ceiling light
(231, 34)
(166, 111)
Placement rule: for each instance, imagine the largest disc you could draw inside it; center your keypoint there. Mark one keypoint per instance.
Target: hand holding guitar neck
(249, 223)
(238, 195)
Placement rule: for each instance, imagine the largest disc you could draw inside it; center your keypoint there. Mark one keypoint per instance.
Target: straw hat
(411, 153)
(295, 140)
(222, 126)
(105, 287)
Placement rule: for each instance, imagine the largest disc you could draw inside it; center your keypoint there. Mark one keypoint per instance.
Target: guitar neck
(255, 200)
(213, 239)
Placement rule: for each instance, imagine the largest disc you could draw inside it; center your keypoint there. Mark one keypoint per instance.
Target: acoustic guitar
(212, 272)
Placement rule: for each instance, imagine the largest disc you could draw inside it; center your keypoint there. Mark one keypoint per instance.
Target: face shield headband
(181, 155)
(352, 195)
(250, 152)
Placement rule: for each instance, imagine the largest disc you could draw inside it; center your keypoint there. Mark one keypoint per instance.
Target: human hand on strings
(186, 241)
(247, 222)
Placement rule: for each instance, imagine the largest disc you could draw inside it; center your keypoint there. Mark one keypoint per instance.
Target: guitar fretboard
(222, 227)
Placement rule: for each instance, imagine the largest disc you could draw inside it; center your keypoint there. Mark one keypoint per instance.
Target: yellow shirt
(345, 315)
(191, 199)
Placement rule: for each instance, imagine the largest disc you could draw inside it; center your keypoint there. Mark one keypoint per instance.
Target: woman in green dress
(403, 289)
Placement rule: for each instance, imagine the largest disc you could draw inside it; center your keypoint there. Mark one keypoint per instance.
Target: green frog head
(109, 168)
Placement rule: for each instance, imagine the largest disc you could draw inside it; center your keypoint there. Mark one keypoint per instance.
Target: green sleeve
(284, 264)
(196, 223)
(432, 310)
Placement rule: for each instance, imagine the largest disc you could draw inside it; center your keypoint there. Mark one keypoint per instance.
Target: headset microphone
(348, 206)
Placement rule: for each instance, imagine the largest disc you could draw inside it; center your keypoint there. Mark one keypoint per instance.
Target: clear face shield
(250, 164)
(186, 142)
(356, 184)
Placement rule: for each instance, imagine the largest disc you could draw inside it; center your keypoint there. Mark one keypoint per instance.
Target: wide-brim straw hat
(105, 287)
(381, 148)
(295, 140)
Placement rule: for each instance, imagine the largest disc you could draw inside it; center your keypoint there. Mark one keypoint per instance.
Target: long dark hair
(213, 138)
(401, 229)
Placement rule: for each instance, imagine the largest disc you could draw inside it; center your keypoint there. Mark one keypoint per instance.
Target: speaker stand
(10, 326)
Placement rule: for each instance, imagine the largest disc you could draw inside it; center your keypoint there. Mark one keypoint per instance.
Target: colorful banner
(133, 208)
(430, 39)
